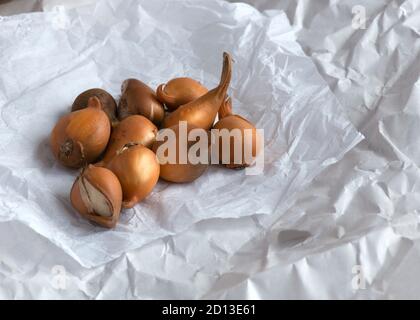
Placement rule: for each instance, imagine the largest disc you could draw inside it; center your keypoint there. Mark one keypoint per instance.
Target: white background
(374, 72)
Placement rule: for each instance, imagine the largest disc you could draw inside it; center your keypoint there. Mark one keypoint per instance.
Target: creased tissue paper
(48, 58)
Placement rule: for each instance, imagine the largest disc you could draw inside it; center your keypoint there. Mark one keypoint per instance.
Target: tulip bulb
(81, 136)
(252, 142)
(97, 195)
(179, 91)
(201, 112)
(176, 171)
(108, 103)
(133, 129)
(138, 98)
(137, 170)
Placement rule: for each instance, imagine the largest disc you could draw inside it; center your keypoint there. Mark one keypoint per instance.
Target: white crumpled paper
(48, 58)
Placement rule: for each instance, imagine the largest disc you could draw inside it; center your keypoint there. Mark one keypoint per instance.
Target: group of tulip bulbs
(115, 145)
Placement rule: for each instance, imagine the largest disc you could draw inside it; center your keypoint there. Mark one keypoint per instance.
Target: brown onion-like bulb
(177, 171)
(133, 129)
(180, 91)
(97, 195)
(231, 122)
(107, 101)
(138, 98)
(81, 136)
(137, 170)
(201, 112)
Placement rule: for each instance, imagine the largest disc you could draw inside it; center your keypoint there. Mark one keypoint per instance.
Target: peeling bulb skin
(80, 137)
(94, 200)
(230, 121)
(108, 102)
(133, 129)
(139, 99)
(202, 112)
(180, 91)
(80, 207)
(97, 195)
(137, 170)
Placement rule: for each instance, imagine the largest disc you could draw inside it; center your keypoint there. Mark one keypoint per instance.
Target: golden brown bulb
(80, 137)
(248, 141)
(180, 91)
(201, 112)
(133, 129)
(177, 171)
(138, 98)
(137, 170)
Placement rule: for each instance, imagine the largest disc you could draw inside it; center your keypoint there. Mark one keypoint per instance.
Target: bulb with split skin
(134, 129)
(97, 196)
